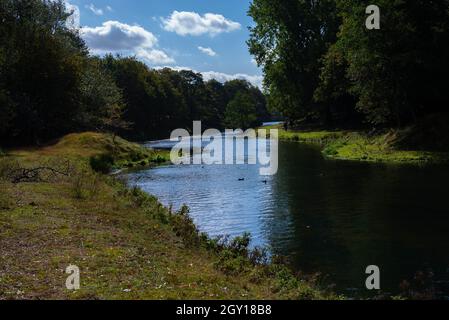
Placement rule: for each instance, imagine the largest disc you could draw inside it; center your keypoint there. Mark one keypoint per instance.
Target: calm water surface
(335, 217)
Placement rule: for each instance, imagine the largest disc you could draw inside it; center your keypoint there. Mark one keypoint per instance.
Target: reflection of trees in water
(340, 217)
(300, 199)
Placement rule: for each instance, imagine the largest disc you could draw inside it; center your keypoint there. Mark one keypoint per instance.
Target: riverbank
(358, 146)
(56, 211)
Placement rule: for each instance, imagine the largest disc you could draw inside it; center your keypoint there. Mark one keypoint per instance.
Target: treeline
(158, 101)
(50, 85)
(323, 66)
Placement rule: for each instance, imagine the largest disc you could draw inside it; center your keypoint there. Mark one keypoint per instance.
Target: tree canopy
(51, 85)
(321, 62)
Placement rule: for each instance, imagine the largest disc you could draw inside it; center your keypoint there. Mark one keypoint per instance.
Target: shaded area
(330, 216)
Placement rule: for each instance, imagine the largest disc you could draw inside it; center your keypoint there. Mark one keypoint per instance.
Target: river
(332, 217)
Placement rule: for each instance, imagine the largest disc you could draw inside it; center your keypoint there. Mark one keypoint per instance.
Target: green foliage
(185, 228)
(102, 163)
(332, 149)
(51, 86)
(8, 166)
(4, 168)
(234, 255)
(85, 184)
(394, 146)
(289, 40)
(102, 101)
(241, 112)
(159, 159)
(41, 75)
(397, 73)
(323, 66)
(159, 101)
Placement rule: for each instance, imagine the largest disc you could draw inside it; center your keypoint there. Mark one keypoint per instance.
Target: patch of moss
(357, 146)
(361, 147)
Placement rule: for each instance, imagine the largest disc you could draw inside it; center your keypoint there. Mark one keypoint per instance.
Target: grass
(126, 244)
(320, 137)
(358, 146)
(88, 145)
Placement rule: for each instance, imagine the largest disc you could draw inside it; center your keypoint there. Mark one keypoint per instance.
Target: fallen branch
(38, 174)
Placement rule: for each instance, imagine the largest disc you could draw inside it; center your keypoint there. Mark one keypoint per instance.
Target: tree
(289, 39)
(397, 73)
(102, 101)
(41, 76)
(216, 104)
(241, 112)
(333, 92)
(50, 85)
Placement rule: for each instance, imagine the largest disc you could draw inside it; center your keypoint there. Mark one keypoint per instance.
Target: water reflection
(330, 216)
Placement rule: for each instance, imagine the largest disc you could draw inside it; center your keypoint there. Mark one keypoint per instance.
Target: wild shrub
(185, 228)
(137, 156)
(85, 184)
(7, 165)
(332, 148)
(259, 256)
(421, 287)
(234, 255)
(158, 159)
(140, 198)
(102, 163)
(231, 264)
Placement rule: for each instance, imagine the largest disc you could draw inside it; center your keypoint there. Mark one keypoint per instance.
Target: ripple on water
(327, 216)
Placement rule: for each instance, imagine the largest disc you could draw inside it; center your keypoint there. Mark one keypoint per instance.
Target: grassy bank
(346, 145)
(126, 244)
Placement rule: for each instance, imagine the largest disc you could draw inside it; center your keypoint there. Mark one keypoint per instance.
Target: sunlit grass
(126, 244)
(358, 146)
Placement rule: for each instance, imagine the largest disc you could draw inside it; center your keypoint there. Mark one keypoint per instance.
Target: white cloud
(154, 56)
(74, 19)
(117, 37)
(207, 51)
(95, 10)
(109, 8)
(223, 77)
(191, 23)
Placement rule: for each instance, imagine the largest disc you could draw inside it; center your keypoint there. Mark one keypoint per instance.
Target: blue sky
(207, 36)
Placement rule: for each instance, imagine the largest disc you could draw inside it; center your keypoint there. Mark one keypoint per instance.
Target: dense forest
(50, 85)
(324, 67)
